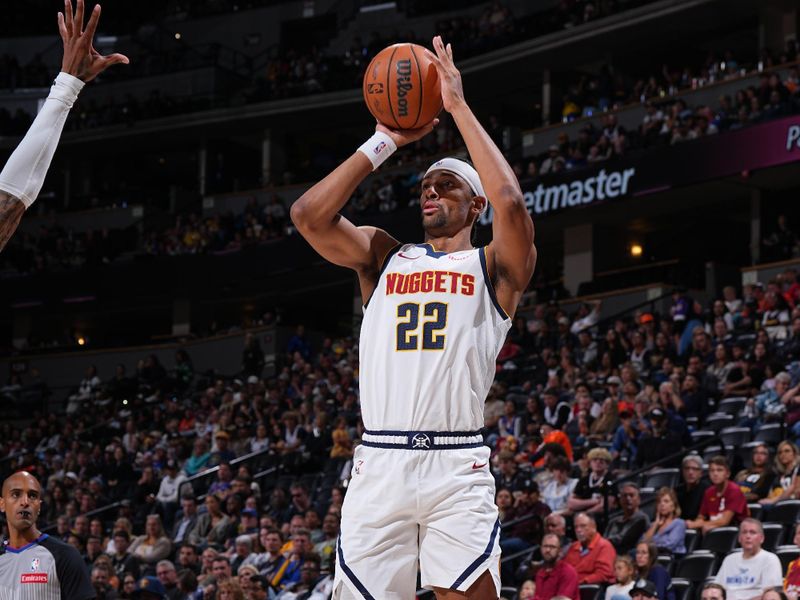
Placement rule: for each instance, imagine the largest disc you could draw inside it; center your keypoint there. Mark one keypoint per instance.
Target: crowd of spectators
(576, 403)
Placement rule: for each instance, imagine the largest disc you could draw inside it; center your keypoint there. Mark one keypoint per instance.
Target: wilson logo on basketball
(403, 86)
(375, 88)
(33, 578)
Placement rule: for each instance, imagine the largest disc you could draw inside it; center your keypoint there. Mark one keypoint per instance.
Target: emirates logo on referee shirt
(33, 578)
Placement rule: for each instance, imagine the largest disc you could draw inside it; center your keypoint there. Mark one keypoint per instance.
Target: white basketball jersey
(431, 333)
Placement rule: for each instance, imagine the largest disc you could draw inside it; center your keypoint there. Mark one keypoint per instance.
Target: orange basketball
(401, 87)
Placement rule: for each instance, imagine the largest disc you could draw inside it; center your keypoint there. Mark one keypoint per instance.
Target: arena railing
(263, 459)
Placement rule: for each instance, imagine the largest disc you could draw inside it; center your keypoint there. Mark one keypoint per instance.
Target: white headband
(465, 171)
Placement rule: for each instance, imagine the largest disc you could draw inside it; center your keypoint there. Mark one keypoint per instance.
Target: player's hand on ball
(403, 137)
(449, 76)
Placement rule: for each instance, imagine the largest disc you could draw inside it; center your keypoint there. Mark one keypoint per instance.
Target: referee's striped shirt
(45, 569)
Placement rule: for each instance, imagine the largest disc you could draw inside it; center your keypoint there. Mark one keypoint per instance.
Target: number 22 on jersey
(408, 322)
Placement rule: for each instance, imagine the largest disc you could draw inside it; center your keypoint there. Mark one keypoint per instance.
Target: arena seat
(690, 540)
(701, 434)
(755, 510)
(735, 436)
(662, 478)
(719, 421)
(720, 541)
(772, 433)
(785, 512)
(591, 591)
(787, 554)
(732, 406)
(682, 588)
(773, 535)
(696, 567)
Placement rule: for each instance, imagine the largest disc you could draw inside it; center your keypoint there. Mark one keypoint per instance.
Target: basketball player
(24, 173)
(435, 317)
(35, 566)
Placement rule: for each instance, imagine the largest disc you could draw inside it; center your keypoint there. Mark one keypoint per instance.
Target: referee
(34, 566)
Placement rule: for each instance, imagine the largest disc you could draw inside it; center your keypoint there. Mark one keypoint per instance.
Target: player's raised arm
(511, 254)
(24, 173)
(316, 213)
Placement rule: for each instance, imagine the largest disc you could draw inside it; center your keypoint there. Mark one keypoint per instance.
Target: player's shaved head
(20, 476)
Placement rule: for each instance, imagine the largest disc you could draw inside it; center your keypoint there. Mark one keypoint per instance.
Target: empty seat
(662, 478)
(773, 535)
(719, 421)
(735, 436)
(690, 540)
(787, 554)
(771, 433)
(785, 512)
(710, 452)
(682, 588)
(755, 510)
(665, 560)
(732, 406)
(701, 434)
(720, 540)
(696, 567)
(591, 591)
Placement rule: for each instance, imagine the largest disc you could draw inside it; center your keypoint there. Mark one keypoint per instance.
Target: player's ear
(478, 204)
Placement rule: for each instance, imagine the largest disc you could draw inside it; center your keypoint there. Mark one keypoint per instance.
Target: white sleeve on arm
(24, 173)
(773, 571)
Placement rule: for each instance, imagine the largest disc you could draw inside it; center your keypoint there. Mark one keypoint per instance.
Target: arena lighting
(81, 340)
(177, 35)
(636, 250)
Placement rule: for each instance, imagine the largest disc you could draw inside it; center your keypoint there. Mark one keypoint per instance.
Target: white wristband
(24, 173)
(378, 148)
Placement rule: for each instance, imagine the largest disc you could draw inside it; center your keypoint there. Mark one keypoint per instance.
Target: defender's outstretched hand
(449, 76)
(80, 57)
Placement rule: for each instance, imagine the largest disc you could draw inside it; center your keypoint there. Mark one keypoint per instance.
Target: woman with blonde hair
(787, 464)
(229, 589)
(604, 427)
(668, 530)
(153, 545)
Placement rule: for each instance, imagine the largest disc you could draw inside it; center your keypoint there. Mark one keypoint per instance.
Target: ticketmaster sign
(601, 186)
(727, 154)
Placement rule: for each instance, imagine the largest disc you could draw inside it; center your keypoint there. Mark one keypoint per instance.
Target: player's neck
(447, 243)
(17, 539)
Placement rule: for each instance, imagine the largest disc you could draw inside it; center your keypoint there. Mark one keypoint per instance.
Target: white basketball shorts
(412, 504)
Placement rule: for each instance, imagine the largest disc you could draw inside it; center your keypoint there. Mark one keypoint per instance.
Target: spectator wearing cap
(508, 474)
(556, 577)
(248, 523)
(747, 573)
(644, 590)
(592, 489)
(222, 451)
(692, 488)
(530, 512)
(123, 561)
(149, 588)
(592, 555)
(668, 530)
(168, 490)
(723, 502)
(658, 443)
(625, 530)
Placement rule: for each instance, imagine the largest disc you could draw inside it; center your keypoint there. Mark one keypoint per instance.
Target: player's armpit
(11, 211)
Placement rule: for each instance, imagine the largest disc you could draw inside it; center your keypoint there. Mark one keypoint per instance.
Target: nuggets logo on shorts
(421, 441)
